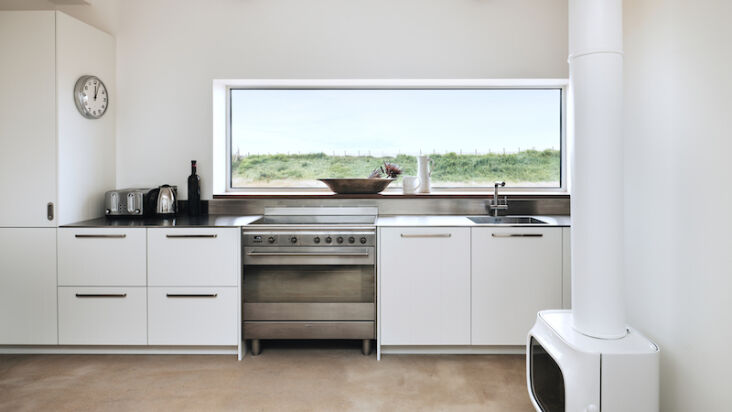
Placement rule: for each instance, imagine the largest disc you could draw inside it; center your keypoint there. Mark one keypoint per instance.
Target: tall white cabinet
(54, 164)
(28, 118)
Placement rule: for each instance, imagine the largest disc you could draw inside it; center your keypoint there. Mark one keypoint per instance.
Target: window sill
(437, 194)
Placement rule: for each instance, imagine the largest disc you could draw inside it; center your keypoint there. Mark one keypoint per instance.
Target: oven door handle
(254, 253)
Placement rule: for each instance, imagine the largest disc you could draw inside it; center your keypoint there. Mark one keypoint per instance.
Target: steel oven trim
(296, 228)
(312, 238)
(282, 256)
(309, 330)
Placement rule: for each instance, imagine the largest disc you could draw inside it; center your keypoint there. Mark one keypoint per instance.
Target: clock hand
(96, 90)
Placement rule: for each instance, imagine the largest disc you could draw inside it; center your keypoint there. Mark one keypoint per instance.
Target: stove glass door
(547, 381)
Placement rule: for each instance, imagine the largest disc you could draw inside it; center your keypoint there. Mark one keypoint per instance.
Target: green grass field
(526, 168)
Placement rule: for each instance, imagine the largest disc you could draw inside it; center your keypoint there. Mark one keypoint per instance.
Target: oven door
(309, 284)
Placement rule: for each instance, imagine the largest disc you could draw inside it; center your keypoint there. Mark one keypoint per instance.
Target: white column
(596, 70)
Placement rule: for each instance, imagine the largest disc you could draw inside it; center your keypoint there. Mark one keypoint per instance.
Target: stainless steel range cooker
(310, 273)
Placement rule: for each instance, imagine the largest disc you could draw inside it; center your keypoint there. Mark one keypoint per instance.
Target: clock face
(91, 97)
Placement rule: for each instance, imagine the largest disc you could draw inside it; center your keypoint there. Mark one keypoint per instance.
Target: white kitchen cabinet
(49, 156)
(27, 118)
(193, 315)
(194, 256)
(516, 272)
(28, 286)
(54, 163)
(102, 257)
(105, 298)
(102, 316)
(424, 284)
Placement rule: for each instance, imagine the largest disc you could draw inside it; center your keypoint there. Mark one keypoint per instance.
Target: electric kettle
(166, 200)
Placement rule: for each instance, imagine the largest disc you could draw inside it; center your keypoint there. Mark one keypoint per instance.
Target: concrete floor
(282, 378)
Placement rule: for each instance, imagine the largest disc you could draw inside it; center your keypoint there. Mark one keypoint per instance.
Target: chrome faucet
(494, 204)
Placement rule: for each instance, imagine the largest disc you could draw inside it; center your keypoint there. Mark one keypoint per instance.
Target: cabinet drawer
(102, 316)
(101, 257)
(193, 316)
(194, 257)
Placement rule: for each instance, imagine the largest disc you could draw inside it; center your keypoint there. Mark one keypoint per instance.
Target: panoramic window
(289, 138)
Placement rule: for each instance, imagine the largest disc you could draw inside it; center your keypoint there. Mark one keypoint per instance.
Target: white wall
(101, 14)
(677, 201)
(168, 53)
(86, 147)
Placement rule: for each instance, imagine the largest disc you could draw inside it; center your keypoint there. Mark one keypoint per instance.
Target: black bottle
(194, 192)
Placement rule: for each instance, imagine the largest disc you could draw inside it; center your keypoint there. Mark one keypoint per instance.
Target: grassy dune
(528, 167)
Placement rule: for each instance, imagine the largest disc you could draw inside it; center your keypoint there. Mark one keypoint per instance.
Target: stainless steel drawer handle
(191, 236)
(101, 236)
(101, 295)
(408, 235)
(517, 234)
(191, 295)
(306, 254)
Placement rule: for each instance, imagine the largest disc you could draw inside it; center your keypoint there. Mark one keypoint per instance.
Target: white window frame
(222, 124)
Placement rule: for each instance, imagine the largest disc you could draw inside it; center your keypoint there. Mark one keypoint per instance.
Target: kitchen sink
(506, 220)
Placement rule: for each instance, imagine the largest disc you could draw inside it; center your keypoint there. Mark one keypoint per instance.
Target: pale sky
(387, 122)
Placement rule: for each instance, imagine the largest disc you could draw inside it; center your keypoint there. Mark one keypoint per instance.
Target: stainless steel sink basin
(506, 220)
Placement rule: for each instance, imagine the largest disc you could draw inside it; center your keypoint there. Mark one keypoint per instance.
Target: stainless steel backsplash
(518, 205)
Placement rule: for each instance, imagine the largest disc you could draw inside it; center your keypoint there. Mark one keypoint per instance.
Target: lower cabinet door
(102, 316)
(28, 286)
(425, 286)
(193, 316)
(516, 272)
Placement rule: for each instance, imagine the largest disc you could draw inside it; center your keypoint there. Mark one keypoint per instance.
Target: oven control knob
(271, 239)
(351, 239)
(340, 239)
(293, 239)
(316, 239)
(328, 239)
(362, 240)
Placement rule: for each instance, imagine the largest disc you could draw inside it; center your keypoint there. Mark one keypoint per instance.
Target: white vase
(424, 172)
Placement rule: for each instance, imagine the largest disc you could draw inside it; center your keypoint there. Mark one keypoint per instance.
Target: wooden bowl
(357, 186)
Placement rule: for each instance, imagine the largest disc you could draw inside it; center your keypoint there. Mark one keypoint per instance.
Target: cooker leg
(366, 347)
(256, 347)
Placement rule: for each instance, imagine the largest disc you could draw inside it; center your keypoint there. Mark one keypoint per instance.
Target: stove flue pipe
(596, 153)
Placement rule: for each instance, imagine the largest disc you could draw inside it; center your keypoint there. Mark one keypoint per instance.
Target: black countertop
(178, 221)
(238, 221)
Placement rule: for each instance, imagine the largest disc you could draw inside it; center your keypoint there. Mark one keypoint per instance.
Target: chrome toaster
(129, 202)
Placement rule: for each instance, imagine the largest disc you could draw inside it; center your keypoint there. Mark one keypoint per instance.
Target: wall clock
(91, 97)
